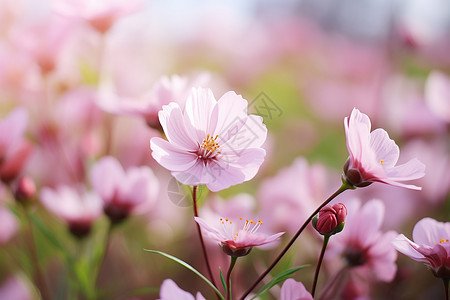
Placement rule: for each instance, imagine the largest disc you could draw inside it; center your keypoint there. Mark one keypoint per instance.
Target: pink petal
(232, 109)
(171, 156)
(169, 291)
(172, 122)
(429, 232)
(293, 290)
(106, 175)
(402, 244)
(223, 175)
(212, 232)
(199, 110)
(357, 131)
(385, 149)
(413, 169)
(437, 94)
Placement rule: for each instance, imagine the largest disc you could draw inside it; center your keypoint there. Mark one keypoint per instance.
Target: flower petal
(385, 149)
(170, 156)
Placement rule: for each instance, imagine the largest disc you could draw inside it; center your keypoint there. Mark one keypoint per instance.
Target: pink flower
(431, 245)
(169, 291)
(123, 192)
(101, 15)
(8, 225)
(15, 287)
(437, 94)
(365, 248)
(14, 150)
(164, 91)
(78, 210)
(373, 156)
(293, 290)
(211, 142)
(237, 242)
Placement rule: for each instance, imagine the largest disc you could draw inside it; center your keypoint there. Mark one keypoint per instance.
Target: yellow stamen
(382, 161)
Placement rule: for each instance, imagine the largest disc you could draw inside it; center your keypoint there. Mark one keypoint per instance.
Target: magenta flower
(293, 290)
(237, 242)
(78, 210)
(365, 248)
(123, 192)
(431, 245)
(169, 291)
(211, 142)
(373, 156)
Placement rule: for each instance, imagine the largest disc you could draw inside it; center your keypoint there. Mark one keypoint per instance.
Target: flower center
(443, 241)
(249, 226)
(208, 147)
(382, 161)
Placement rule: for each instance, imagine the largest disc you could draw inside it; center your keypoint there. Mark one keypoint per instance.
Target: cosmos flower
(78, 210)
(212, 142)
(293, 290)
(237, 242)
(365, 248)
(14, 149)
(169, 291)
(123, 192)
(373, 156)
(430, 245)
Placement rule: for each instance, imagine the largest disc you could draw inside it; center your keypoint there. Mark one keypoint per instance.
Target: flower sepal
(230, 249)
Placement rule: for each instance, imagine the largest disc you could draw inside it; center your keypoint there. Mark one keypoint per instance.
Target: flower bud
(330, 219)
(25, 189)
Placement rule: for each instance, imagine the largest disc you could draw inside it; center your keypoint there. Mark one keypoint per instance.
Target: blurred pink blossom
(165, 90)
(123, 192)
(430, 245)
(8, 225)
(373, 156)
(169, 291)
(237, 242)
(298, 190)
(78, 209)
(101, 15)
(365, 249)
(293, 290)
(437, 94)
(14, 149)
(211, 142)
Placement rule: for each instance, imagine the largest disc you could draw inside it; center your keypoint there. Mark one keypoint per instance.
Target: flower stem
(344, 186)
(35, 261)
(230, 268)
(319, 263)
(199, 230)
(99, 259)
(445, 280)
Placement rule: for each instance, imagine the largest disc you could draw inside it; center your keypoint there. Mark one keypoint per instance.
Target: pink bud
(341, 212)
(327, 221)
(25, 189)
(330, 217)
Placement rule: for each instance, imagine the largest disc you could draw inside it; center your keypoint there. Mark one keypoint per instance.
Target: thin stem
(102, 255)
(326, 238)
(445, 280)
(230, 268)
(343, 187)
(39, 274)
(199, 230)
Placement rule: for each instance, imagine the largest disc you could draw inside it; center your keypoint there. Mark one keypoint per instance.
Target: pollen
(443, 240)
(382, 161)
(210, 143)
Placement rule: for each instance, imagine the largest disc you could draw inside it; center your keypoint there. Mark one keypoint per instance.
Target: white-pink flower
(78, 209)
(101, 15)
(293, 290)
(8, 225)
(237, 242)
(212, 142)
(123, 192)
(170, 291)
(430, 245)
(373, 156)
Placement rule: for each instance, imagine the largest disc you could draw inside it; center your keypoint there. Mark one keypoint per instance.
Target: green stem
(199, 231)
(100, 258)
(344, 186)
(38, 273)
(326, 238)
(230, 268)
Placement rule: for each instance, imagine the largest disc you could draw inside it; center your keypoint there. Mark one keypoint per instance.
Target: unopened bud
(25, 189)
(330, 219)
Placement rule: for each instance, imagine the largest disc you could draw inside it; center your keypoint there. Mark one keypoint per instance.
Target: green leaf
(188, 266)
(280, 277)
(223, 280)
